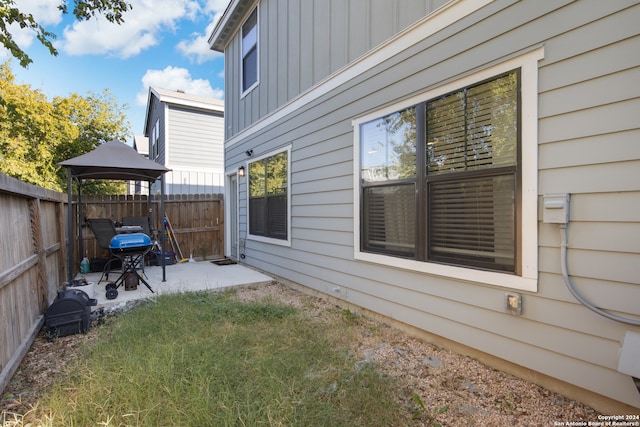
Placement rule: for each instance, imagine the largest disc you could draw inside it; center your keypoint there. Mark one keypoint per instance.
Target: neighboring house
(414, 158)
(141, 145)
(186, 134)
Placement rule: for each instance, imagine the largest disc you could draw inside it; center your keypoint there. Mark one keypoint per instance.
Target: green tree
(99, 119)
(112, 10)
(36, 134)
(30, 131)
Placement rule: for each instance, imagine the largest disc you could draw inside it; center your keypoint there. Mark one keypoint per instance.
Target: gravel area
(437, 385)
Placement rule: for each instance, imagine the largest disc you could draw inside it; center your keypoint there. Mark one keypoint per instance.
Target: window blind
(390, 218)
(473, 220)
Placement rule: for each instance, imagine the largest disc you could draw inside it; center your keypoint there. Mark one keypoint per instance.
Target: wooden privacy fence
(197, 221)
(33, 250)
(32, 265)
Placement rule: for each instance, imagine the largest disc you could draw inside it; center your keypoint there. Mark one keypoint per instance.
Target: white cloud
(197, 47)
(216, 7)
(142, 29)
(176, 78)
(45, 13)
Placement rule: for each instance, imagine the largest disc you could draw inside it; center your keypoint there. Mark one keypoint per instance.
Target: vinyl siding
(190, 143)
(157, 114)
(195, 150)
(195, 138)
(303, 42)
(588, 109)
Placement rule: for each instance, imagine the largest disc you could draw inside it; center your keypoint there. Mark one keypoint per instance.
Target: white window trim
(253, 86)
(166, 140)
(155, 136)
(528, 281)
(271, 240)
(229, 174)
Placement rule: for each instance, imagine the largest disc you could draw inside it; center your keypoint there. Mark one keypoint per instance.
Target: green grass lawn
(205, 359)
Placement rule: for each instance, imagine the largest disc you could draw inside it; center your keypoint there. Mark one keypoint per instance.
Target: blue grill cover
(129, 242)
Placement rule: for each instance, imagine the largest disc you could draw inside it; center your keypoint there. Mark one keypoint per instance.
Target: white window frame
(528, 280)
(244, 92)
(274, 241)
(155, 134)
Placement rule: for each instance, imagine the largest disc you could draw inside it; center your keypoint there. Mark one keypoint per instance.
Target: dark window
(250, 51)
(388, 174)
(464, 208)
(268, 201)
(389, 219)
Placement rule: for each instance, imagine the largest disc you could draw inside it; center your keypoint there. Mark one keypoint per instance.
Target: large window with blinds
(268, 196)
(441, 181)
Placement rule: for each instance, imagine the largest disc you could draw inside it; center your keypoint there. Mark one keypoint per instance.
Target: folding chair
(141, 221)
(104, 230)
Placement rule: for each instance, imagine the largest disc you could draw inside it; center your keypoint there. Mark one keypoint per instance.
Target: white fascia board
(222, 23)
(185, 101)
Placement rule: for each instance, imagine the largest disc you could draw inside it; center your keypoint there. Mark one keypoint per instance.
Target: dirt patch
(437, 385)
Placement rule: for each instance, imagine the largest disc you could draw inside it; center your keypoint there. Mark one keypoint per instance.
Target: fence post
(38, 248)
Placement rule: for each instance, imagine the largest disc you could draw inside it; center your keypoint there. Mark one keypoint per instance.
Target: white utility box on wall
(555, 208)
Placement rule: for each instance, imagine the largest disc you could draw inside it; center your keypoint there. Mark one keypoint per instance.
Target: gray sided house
(469, 169)
(186, 134)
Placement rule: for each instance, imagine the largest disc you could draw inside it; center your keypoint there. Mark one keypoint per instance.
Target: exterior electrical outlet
(513, 303)
(556, 208)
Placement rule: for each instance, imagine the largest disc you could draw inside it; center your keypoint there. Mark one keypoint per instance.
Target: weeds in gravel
(431, 416)
(205, 359)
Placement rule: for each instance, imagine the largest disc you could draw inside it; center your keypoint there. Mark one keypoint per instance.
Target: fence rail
(33, 250)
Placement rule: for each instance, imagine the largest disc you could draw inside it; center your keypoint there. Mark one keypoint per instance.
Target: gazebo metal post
(164, 276)
(69, 227)
(79, 220)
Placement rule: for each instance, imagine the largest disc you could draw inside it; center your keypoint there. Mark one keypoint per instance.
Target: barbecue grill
(69, 314)
(131, 249)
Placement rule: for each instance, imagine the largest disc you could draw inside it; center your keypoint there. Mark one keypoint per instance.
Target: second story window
(250, 52)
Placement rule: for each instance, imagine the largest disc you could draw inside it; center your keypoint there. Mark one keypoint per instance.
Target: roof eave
(146, 114)
(182, 99)
(228, 23)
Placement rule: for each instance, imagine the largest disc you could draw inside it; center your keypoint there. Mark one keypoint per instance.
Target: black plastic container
(169, 258)
(69, 314)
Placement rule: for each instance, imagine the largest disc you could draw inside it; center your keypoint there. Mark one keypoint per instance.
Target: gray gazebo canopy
(114, 160)
(111, 160)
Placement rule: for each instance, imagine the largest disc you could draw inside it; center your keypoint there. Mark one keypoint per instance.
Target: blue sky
(162, 43)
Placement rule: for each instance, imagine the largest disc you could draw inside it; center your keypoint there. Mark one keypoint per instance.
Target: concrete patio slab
(181, 277)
